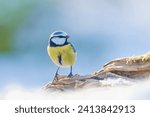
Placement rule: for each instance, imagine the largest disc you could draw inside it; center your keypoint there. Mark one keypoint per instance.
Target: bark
(130, 69)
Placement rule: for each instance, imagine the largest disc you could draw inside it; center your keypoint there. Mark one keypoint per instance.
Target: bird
(61, 52)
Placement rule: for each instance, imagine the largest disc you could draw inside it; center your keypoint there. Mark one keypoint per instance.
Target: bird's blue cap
(60, 34)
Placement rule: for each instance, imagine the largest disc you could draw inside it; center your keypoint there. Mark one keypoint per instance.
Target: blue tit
(61, 52)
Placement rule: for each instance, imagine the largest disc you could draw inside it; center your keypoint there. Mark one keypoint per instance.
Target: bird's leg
(70, 74)
(56, 74)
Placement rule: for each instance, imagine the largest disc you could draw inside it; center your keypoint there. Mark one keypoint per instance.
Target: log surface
(130, 69)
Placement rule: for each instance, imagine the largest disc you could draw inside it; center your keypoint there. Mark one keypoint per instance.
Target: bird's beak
(67, 36)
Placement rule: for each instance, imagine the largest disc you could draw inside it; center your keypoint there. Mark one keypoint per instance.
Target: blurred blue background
(100, 30)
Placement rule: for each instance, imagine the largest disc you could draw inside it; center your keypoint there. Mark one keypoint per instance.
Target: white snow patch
(139, 90)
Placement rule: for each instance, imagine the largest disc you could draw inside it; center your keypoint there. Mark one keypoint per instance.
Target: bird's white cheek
(59, 41)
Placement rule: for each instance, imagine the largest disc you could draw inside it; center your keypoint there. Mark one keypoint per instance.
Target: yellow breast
(62, 56)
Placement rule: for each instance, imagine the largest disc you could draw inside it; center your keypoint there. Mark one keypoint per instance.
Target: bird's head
(58, 38)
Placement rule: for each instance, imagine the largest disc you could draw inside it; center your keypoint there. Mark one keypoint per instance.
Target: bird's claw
(55, 77)
(70, 75)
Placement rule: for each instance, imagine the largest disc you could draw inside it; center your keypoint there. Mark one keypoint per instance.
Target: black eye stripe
(60, 37)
